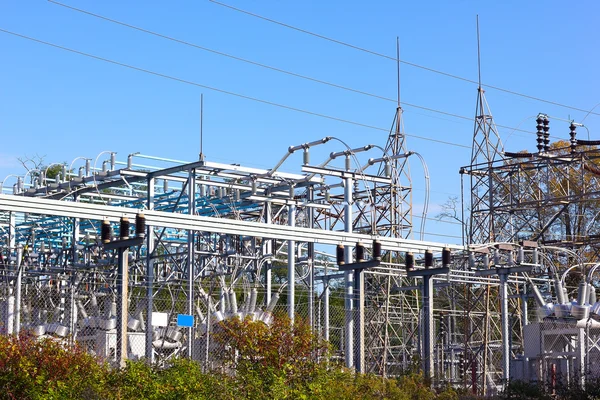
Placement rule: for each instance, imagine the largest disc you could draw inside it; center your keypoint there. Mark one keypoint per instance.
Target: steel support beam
(211, 224)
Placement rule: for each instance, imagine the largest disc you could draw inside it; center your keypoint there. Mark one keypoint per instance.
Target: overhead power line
(271, 103)
(186, 43)
(220, 53)
(346, 44)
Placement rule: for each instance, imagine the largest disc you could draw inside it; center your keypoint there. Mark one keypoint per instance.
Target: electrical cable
(426, 202)
(271, 103)
(590, 112)
(395, 59)
(297, 75)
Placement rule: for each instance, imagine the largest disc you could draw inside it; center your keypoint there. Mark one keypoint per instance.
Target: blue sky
(64, 105)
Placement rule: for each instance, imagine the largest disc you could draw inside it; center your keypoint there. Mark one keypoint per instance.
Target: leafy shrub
(272, 361)
(47, 369)
(524, 390)
(283, 360)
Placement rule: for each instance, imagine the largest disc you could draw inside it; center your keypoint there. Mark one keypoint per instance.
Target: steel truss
(218, 235)
(549, 197)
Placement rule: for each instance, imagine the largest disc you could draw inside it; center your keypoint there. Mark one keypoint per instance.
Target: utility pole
(503, 270)
(122, 246)
(427, 274)
(356, 269)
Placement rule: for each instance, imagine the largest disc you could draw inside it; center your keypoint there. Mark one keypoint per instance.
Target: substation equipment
(200, 242)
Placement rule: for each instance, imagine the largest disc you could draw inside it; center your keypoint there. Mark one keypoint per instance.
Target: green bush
(524, 390)
(283, 360)
(47, 369)
(280, 360)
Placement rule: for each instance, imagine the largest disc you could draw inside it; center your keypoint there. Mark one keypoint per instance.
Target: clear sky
(63, 105)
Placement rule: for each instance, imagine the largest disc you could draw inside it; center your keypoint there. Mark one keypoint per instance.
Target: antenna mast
(398, 67)
(201, 124)
(393, 213)
(478, 56)
(485, 224)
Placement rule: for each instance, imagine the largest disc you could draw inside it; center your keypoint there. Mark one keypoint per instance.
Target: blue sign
(184, 320)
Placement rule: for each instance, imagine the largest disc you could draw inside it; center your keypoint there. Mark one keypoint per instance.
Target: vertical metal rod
(149, 274)
(311, 263)
(190, 258)
(122, 306)
(386, 334)
(222, 297)
(10, 313)
(524, 308)
(18, 289)
(12, 232)
(73, 304)
(208, 314)
(291, 265)
(201, 156)
(428, 327)
(326, 310)
(10, 304)
(348, 277)
(359, 287)
(311, 286)
(581, 353)
(505, 330)
(268, 249)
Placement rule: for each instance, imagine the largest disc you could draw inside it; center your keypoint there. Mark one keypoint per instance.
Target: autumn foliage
(282, 360)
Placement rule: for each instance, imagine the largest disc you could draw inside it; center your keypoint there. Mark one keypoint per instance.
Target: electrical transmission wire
(271, 103)
(280, 70)
(364, 50)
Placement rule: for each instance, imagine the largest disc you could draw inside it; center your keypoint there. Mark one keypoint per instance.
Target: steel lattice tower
(486, 149)
(392, 329)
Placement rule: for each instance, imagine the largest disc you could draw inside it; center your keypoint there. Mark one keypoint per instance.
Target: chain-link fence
(559, 352)
(45, 295)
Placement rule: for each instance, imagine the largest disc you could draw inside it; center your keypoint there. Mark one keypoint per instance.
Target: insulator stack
(546, 134)
(124, 228)
(409, 260)
(471, 260)
(540, 133)
(428, 258)
(106, 232)
(388, 169)
(360, 252)
(446, 257)
(339, 253)
(573, 134)
(140, 225)
(376, 250)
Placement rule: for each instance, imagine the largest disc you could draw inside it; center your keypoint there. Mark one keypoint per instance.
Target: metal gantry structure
(187, 267)
(547, 199)
(219, 241)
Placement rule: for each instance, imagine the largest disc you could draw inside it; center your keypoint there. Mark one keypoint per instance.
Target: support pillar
(18, 289)
(503, 272)
(122, 305)
(149, 275)
(581, 337)
(326, 310)
(122, 247)
(311, 264)
(428, 337)
(505, 327)
(427, 314)
(291, 254)
(190, 259)
(359, 307)
(268, 249)
(348, 278)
